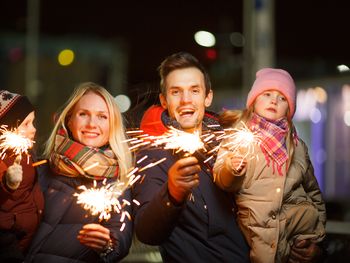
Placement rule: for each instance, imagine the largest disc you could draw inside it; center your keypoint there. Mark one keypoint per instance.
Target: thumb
(18, 159)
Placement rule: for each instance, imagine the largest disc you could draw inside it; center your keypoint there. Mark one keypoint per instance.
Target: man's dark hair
(181, 60)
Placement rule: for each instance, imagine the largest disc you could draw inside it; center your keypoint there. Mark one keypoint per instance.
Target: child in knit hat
(21, 200)
(277, 195)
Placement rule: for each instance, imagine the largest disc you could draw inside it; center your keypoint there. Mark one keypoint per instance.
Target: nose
(91, 122)
(186, 97)
(274, 99)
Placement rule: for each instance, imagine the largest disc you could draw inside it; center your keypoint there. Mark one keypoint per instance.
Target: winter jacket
(203, 229)
(20, 209)
(56, 239)
(274, 209)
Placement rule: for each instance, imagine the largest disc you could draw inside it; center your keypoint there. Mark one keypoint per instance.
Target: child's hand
(235, 163)
(14, 176)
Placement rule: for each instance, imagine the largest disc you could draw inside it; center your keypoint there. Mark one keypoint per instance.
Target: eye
(196, 91)
(282, 98)
(267, 94)
(174, 92)
(102, 117)
(82, 114)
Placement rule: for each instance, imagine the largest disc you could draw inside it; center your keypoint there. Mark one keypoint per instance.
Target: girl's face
(271, 105)
(27, 128)
(89, 121)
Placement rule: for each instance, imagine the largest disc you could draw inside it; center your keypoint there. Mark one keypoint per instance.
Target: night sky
(305, 30)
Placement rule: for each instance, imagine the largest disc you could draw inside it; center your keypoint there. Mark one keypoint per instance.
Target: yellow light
(66, 57)
(321, 95)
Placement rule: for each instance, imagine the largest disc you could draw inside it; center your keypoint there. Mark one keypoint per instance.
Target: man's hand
(182, 177)
(304, 251)
(14, 175)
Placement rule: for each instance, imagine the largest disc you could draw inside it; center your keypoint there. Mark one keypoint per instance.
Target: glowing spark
(39, 163)
(91, 166)
(143, 158)
(99, 201)
(13, 140)
(152, 164)
(180, 140)
(241, 141)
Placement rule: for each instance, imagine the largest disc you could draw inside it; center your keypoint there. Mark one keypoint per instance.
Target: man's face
(185, 98)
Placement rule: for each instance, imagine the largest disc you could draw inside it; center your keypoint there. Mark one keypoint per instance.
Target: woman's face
(89, 121)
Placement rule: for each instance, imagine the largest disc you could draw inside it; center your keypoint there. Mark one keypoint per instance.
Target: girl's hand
(235, 163)
(96, 237)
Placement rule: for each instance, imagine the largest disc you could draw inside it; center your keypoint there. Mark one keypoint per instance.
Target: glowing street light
(204, 38)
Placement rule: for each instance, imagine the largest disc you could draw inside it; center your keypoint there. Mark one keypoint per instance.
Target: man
(181, 209)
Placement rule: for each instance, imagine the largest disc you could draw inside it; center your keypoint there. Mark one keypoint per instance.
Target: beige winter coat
(274, 210)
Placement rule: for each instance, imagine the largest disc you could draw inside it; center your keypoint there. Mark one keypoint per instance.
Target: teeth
(186, 112)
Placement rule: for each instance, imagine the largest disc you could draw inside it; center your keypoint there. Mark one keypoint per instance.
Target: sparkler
(13, 140)
(241, 141)
(104, 200)
(180, 141)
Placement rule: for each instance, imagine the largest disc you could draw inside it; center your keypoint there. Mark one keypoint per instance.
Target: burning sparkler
(180, 141)
(13, 140)
(241, 141)
(104, 200)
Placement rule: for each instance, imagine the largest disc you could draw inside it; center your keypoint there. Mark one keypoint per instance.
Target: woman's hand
(95, 236)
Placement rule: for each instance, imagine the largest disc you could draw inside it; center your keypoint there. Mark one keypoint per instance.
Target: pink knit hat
(274, 79)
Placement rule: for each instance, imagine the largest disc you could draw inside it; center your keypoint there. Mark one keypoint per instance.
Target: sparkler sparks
(241, 141)
(104, 200)
(99, 201)
(180, 140)
(13, 140)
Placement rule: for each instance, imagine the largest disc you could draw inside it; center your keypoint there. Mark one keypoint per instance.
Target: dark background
(306, 31)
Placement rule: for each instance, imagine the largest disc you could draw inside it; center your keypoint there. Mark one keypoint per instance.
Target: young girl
(21, 200)
(278, 198)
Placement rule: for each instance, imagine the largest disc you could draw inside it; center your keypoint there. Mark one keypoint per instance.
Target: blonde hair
(117, 137)
(232, 118)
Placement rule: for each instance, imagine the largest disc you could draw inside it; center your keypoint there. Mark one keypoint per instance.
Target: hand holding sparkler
(236, 163)
(182, 177)
(14, 174)
(96, 237)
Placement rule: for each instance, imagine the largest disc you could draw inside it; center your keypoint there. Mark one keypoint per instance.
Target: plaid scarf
(273, 139)
(73, 159)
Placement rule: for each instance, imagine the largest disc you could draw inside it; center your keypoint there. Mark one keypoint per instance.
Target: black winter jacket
(56, 239)
(204, 229)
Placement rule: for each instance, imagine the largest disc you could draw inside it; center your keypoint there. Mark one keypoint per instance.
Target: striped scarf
(73, 159)
(273, 142)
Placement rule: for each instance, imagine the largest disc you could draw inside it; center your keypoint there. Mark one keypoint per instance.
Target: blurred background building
(47, 48)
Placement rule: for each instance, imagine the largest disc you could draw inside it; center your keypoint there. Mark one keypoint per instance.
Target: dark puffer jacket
(56, 239)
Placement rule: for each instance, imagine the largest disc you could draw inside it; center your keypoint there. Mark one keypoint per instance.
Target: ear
(163, 101)
(208, 99)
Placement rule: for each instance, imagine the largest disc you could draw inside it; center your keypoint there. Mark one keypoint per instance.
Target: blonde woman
(88, 130)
